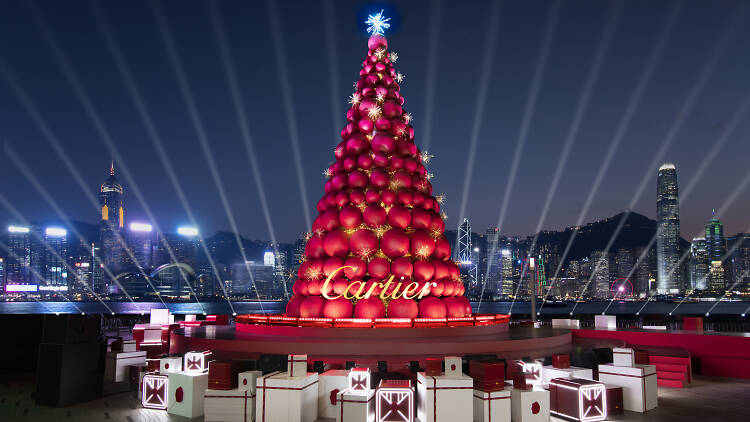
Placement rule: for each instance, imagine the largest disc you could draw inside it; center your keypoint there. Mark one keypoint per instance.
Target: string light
(355, 98)
(393, 56)
(379, 53)
(399, 77)
(426, 157)
(407, 117)
(440, 198)
(373, 113)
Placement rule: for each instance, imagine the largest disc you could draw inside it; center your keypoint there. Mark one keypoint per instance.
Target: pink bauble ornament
(374, 215)
(382, 143)
(422, 244)
(350, 217)
(378, 268)
(380, 160)
(442, 248)
(402, 267)
(395, 243)
(339, 285)
(372, 195)
(357, 179)
(365, 161)
(377, 41)
(363, 243)
(379, 178)
(332, 264)
(403, 308)
(314, 248)
(358, 268)
(420, 219)
(336, 243)
(399, 216)
(337, 308)
(423, 271)
(356, 196)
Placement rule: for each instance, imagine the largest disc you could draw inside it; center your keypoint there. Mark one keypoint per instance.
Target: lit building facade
(699, 263)
(668, 230)
(112, 222)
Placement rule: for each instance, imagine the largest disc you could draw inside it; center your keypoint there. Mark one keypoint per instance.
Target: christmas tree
(377, 246)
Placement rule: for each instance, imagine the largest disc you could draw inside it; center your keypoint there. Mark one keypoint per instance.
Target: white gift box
(623, 356)
(297, 365)
(170, 364)
(159, 316)
(534, 369)
(605, 321)
(229, 405)
(189, 318)
(549, 372)
(355, 406)
(444, 399)
(154, 391)
(359, 380)
(196, 362)
(246, 380)
(128, 346)
(492, 406)
(565, 323)
(453, 367)
(281, 398)
(529, 405)
(117, 363)
(186, 394)
(331, 382)
(638, 382)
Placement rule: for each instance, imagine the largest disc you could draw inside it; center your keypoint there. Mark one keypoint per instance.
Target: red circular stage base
(393, 340)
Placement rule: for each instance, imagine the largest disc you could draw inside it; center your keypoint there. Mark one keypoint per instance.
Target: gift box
(229, 405)
(534, 369)
(355, 407)
(223, 375)
(196, 362)
(433, 367)
(281, 398)
(169, 364)
(578, 399)
(154, 391)
(444, 398)
(605, 321)
(623, 356)
(639, 392)
(129, 346)
(614, 399)
(549, 372)
(217, 319)
(359, 380)
(640, 357)
(529, 405)
(331, 382)
(561, 361)
(246, 380)
(487, 370)
(453, 367)
(491, 406)
(186, 394)
(159, 316)
(394, 401)
(117, 363)
(297, 365)
(489, 385)
(522, 381)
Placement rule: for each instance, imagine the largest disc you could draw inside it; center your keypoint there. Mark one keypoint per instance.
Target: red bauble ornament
(395, 243)
(437, 225)
(399, 216)
(396, 162)
(337, 308)
(383, 143)
(379, 178)
(402, 179)
(388, 197)
(336, 243)
(332, 264)
(449, 287)
(292, 307)
(438, 288)
(441, 270)
(339, 285)
(391, 109)
(313, 287)
(383, 124)
(357, 179)
(297, 287)
(380, 160)
(467, 305)
(314, 248)
(403, 197)
(349, 163)
(369, 308)
(342, 198)
(402, 267)
(365, 162)
(358, 268)
(420, 219)
(338, 182)
(363, 243)
(422, 244)
(403, 308)
(372, 284)
(431, 307)
(312, 307)
(423, 271)
(442, 248)
(374, 215)
(340, 149)
(455, 271)
(378, 268)
(357, 144)
(372, 195)
(454, 308)
(377, 41)
(350, 216)
(356, 196)
(365, 125)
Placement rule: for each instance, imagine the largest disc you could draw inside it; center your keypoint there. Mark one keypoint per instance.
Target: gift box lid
(281, 379)
(335, 373)
(635, 370)
(353, 396)
(235, 392)
(395, 384)
(573, 382)
(443, 381)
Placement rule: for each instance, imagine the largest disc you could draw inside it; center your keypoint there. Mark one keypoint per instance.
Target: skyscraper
(492, 280)
(699, 263)
(600, 277)
(55, 267)
(19, 255)
(112, 221)
(739, 245)
(716, 247)
(667, 230)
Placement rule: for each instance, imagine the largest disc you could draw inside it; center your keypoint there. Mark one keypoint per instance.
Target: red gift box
(561, 361)
(487, 370)
(640, 357)
(223, 375)
(614, 399)
(434, 367)
(522, 381)
(217, 320)
(489, 386)
(577, 399)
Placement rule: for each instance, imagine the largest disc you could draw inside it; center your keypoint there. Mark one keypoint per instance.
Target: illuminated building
(668, 230)
(112, 221)
(600, 277)
(2, 271)
(739, 258)
(141, 241)
(716, 277)
(19, 255)
(716, 247)
(55, 269)
(176, 280)
(494, 277)
(251, 275)
(699, 263)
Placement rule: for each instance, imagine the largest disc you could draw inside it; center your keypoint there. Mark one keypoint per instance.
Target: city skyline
(711, 70)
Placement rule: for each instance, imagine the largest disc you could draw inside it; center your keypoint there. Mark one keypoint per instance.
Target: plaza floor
(707, 399)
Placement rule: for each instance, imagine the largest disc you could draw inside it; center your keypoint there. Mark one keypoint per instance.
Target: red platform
(395, 341)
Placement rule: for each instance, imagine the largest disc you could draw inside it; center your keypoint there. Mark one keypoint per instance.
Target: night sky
(448, 56)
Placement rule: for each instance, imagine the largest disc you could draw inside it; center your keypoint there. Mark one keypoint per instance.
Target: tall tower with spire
(668, 230)
(112, 221)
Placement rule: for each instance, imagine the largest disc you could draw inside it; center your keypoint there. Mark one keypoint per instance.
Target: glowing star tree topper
(377, 24)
